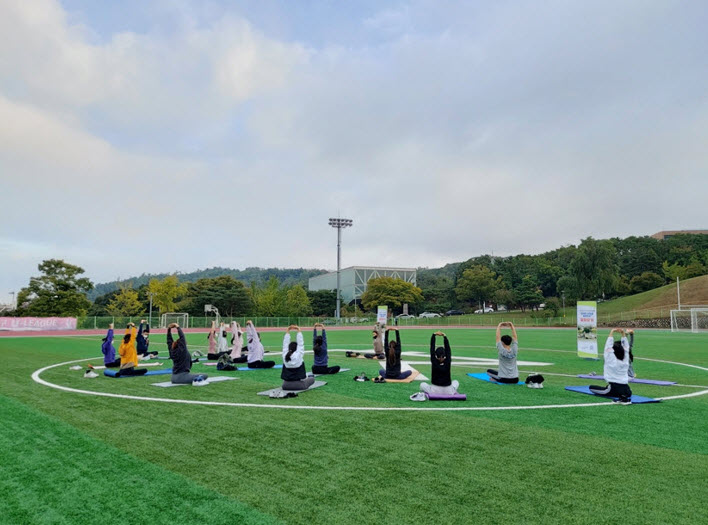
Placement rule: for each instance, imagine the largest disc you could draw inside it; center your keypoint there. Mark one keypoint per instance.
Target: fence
(536, 319)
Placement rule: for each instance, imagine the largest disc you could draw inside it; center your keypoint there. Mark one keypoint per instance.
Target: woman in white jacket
(294, 375)
(255, 348)
(616, 369)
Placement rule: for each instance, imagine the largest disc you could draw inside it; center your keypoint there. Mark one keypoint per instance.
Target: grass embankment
(72, 458)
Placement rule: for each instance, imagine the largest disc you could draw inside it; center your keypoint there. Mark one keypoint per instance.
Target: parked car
(428, 315)
(405, 316)
(454, 312)
(487, 310)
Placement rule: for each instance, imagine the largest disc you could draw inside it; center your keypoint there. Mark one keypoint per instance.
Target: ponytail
(291, 348)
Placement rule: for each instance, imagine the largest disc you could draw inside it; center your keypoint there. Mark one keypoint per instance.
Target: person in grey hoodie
(508, 348)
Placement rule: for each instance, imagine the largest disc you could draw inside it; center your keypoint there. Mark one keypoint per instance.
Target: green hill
(693, 292)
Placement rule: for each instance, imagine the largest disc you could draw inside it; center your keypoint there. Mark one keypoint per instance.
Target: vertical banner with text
(587, 329)
(382, 315)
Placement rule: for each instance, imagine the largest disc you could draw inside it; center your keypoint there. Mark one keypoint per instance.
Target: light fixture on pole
(339, 224)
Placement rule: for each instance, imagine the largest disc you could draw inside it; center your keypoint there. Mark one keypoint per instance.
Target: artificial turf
(76, 458)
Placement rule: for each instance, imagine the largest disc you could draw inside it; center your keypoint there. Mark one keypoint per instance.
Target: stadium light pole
(339, 224)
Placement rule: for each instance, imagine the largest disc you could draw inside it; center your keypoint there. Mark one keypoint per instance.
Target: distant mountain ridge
(288, 276)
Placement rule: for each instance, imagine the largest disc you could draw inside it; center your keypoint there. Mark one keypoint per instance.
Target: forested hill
(287, 276)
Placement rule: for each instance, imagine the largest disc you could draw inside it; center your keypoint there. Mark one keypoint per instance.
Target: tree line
(594, 269)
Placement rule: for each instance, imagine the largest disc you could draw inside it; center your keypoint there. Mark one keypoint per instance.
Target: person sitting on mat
(378, 342)
(109, 351)
(508, 348)
(237, 342)
(393, 358)
(293, 374)
(630, 371)
(129, 354)
(255, 348)
(222, 342)
(319, 347)
(211, 337)
(440, 365)
(181, 360)
(616, 369)
(143, 340)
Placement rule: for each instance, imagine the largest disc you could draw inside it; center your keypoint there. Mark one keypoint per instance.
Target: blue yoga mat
(586, 390)
(484, 377)
(244, 368)
(114, 373)
(634, 380)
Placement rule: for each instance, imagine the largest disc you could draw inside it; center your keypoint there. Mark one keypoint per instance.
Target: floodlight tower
(339, 224)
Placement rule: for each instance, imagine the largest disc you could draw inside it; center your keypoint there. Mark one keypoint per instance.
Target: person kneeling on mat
(616, 369)
(237, 342)
(255, 348)
(440, 364)
(181, 360)
(143, 341)
(508, 348)
(294, 375)
(393, 358)
(129, 355)
(319, 347)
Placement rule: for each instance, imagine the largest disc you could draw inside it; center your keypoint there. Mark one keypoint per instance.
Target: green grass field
(76, 458)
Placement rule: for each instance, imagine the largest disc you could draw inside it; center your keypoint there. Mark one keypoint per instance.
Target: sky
(159, 135)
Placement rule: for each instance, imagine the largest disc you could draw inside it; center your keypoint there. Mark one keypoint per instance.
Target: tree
(528, 293)
(297, 304)
(553, 306)
(568, 285)
(391, 292)
(645, 281)
(229, 295)
(323, 302)
(59, 291)
(594, 268)
(505, 297)
(477, 284)
(125, 303)
(166, 292)
(269, 300)
(673, 271)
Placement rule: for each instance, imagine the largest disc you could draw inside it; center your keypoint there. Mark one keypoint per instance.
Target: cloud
(202, 139)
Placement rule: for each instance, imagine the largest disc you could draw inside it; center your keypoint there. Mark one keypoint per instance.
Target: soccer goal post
(699, 320)
(174, 317)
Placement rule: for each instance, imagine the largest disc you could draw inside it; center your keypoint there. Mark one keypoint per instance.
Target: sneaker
(381, 357)
(539, 385)
(90, 373)
(77, 367)
(200, 381)
(197, 353)
(361, 378)
(419, 396)
(622, 401)
(531, 385)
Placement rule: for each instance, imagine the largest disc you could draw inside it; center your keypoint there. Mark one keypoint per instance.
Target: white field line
(36, 377)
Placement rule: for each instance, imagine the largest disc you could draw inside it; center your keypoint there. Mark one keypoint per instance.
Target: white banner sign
(37, 323)
(587, 329)
(382, 315)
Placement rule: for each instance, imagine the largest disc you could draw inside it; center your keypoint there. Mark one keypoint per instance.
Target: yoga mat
(340, 371)
(210, 380)
(101, 367)
(280, 393)
(635, 380)
(446, 397)
(586, 390)
(408, 379)
(484, 377)
(114, 372)
(245, 368)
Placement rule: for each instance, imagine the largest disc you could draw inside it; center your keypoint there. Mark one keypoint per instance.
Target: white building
(353, 280)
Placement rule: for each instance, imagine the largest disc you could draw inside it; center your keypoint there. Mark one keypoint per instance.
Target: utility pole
(339, 224)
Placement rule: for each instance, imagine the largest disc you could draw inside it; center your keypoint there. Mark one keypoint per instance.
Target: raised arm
(432, 345)
(499, 327)
(170, 340)
(513, 332)
(448, 351)
(286, 341)
(324, 338)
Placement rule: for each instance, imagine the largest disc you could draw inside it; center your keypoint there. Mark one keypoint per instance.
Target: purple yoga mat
(447, 397)
(635, 380)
